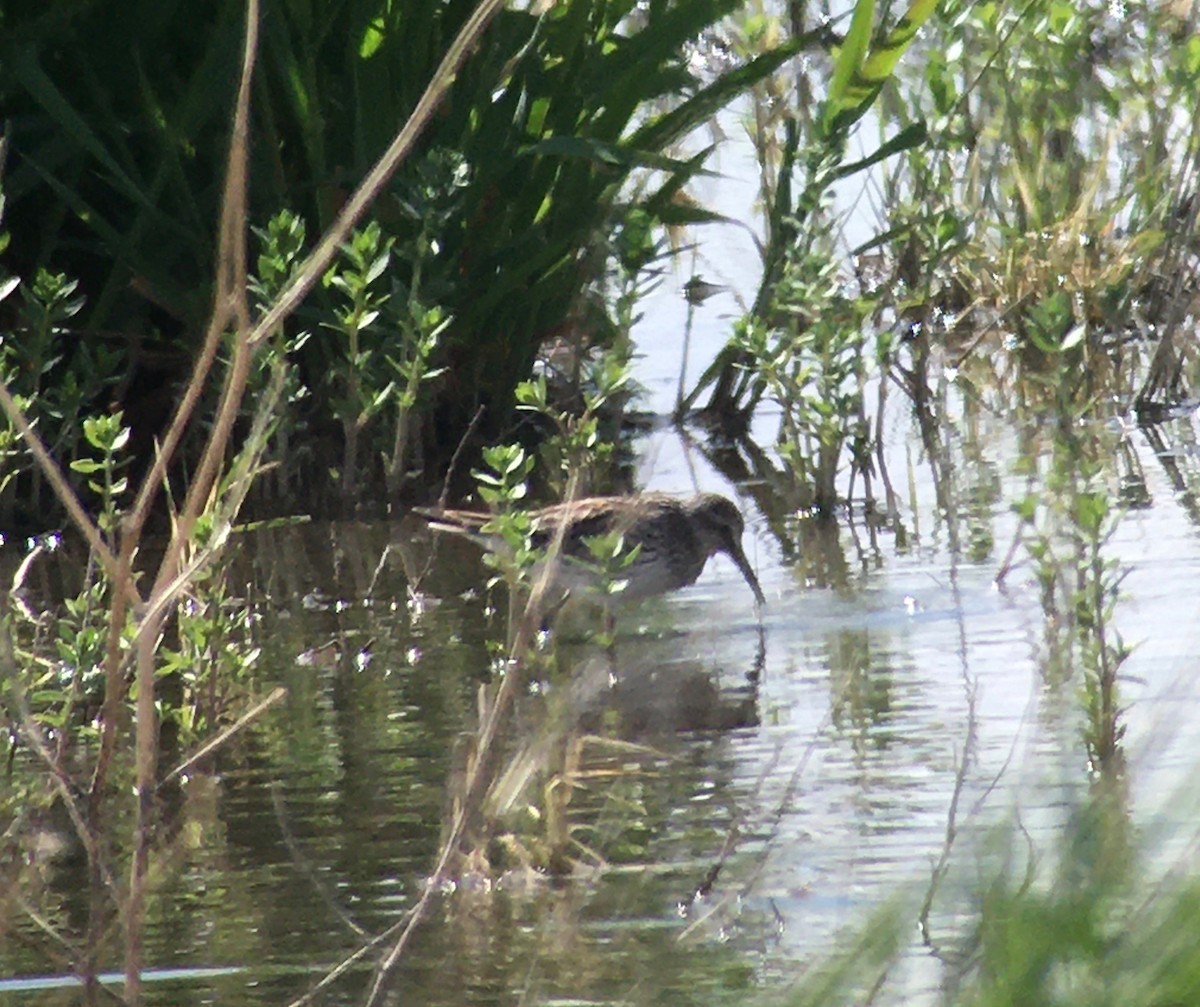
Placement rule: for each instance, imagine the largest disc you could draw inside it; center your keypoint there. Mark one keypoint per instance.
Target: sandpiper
(674, 538)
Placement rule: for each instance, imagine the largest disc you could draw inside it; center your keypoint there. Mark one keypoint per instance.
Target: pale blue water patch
(1159, 617)
(30, 984)
(870, 700)
(728, 254)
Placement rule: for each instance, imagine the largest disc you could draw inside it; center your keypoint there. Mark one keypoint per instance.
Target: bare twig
(114, 678)
(304, 864)
(229, 304)
(58, 482)
(18, 581)
(70, 953)
(216, 742)
(445, 494)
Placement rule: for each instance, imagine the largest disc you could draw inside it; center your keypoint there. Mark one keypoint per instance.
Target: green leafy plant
(42, 359)
(389, 339)
(1067, 521)
(503, 485)
(576, 448)
(361, 281)
(214, 659)
(806, 343)
(814, 363)
(109, 437)
(63, 681)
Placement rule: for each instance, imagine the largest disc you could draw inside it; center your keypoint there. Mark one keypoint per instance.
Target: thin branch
(52, 472)
(216, 742)
(445, 494)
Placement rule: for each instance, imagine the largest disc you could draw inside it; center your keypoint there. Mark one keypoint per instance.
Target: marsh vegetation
(269, 741)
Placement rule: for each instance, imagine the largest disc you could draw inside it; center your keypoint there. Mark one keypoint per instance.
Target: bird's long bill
(739, 558)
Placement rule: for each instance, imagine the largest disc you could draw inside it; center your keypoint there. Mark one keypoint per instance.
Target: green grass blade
(667, 128)
(908, 138)
(858, 79)
(848, 65)
(30, 73)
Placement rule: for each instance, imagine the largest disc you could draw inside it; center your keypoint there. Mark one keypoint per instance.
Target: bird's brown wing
(465, 521)
(586, 518)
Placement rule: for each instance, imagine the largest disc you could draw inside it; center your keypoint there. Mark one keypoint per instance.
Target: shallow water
(806, 772)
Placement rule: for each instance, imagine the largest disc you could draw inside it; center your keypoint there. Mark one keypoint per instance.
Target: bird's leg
(754, 675)
(610, 644)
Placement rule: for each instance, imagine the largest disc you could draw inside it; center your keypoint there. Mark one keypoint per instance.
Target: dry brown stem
(229, 305)
(216, 742)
